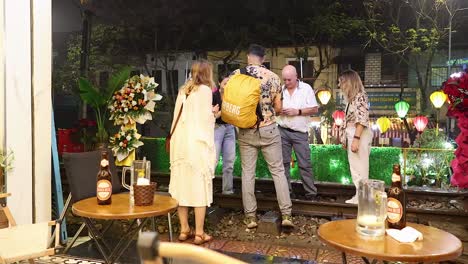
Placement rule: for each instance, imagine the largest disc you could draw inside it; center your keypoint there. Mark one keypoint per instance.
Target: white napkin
(143, 181)
(405, 235)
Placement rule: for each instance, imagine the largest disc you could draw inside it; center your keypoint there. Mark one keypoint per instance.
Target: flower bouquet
(124, 142)
(135, 101)
(456, 88)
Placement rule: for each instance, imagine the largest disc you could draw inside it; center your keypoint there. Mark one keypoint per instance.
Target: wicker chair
(26, 242)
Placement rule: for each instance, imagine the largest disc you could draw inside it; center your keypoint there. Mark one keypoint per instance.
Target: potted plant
(6, 161)
(98, 99)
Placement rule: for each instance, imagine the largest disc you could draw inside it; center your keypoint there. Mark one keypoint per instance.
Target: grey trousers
(225, 142)
(268, 140)
(299, 142)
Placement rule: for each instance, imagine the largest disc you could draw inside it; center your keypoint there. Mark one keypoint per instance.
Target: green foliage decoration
(99, 98)
(329, 162)
(429, 167)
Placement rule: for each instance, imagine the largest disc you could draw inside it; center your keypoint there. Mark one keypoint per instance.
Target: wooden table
(120, 209)
(437, 244)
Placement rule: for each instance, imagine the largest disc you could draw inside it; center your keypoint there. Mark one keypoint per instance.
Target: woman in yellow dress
(192, 153)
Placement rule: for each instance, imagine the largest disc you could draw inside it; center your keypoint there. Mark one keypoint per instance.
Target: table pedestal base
(110, 256)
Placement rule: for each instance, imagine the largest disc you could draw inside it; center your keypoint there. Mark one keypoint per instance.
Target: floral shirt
(357, 111)
(270, 88)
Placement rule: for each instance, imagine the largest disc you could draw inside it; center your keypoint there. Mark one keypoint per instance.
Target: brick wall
(373, 65)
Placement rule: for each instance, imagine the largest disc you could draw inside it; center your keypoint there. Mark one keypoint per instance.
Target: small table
(437, 245)
(120, 209)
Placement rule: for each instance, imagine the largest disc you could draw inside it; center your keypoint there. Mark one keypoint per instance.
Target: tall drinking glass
(140, 173)
(372, 208)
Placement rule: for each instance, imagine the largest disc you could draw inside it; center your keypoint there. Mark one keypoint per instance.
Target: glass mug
(140, 173)
(372, 208)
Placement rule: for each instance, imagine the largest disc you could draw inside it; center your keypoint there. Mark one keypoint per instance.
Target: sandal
(201, 239)
(186, 235)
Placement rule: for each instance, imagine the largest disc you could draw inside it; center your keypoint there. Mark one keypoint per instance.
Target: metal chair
(81, 170)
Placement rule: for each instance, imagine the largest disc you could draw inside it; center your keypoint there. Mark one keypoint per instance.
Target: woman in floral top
(356, 136)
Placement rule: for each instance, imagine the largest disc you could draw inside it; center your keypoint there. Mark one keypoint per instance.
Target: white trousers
(359, 161)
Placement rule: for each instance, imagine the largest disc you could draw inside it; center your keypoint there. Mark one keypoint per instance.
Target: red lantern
(420, 122)
(339, 117)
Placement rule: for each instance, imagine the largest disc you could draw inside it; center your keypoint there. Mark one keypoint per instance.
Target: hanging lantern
(324, 96)
(384, 124)
(438, 99)
(402, 108)
(339, 117)
(420, 122)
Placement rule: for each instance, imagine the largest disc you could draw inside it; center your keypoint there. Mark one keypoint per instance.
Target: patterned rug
(65, 259)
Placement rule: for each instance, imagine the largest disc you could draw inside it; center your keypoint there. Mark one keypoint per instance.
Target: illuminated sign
(387, 100)
(461, 61)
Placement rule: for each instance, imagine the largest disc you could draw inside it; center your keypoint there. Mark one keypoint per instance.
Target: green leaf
(89, 94)
(116, 81)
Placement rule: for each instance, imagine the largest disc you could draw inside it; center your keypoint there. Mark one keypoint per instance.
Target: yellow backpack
(241, 100)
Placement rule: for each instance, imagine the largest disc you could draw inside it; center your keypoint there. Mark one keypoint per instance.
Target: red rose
(451, 90)
(463, 81)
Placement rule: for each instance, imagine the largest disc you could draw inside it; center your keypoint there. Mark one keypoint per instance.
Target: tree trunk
(421, 87)
(85, 48)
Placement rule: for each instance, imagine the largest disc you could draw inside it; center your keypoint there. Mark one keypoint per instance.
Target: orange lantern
(324, 96)
(384, 124)
(420, 122)
(339, 117)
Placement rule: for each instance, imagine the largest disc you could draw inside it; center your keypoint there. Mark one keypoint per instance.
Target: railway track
(331, 200)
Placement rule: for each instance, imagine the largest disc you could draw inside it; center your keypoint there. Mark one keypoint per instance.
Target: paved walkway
(252, 252)
(319, 255)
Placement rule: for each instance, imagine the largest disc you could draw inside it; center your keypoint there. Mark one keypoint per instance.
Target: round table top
(437, 245)
(120, 207)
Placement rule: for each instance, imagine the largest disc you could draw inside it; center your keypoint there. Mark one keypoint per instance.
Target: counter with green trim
(329, 162)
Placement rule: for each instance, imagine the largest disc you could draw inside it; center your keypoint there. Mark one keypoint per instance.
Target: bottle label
(396, 177)
(104, 190)
(394, 210)
(104, 163)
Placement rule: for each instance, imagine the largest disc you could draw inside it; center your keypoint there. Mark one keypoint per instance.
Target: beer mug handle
(124, 171)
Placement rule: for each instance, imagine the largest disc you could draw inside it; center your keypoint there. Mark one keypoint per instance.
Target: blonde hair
(202, 73)
(351, 84)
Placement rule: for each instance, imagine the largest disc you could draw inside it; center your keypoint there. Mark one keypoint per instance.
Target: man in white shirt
(299, 104)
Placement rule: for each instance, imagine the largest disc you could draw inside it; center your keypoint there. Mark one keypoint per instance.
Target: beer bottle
(104, 181)
(396, 203)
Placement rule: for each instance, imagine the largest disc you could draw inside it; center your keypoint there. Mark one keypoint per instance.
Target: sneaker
(250, 221)
(353, 200)
(228, 192)
(287, 221)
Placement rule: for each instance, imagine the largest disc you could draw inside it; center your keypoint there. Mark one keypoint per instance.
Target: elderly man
(298, 104)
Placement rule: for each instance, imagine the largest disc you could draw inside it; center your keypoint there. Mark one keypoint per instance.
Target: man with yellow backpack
(252, 97)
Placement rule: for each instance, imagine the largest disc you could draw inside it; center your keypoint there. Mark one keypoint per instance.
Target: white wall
(41, 92)
(18, 106)
(27, 97)
(2, 78)
(182, 61)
